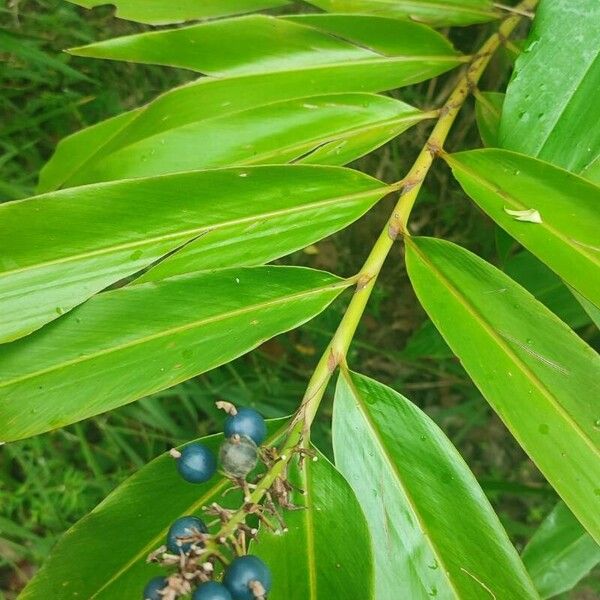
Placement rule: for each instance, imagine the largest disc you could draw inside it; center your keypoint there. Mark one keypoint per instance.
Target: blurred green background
(49, 482)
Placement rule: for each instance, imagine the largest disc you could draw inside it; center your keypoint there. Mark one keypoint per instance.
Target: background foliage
(49, 482)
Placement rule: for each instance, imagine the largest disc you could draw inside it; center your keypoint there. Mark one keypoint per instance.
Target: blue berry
(247, 422)
(238, 456)
(181, 528)
(153, 587)
(197, 463)
(212, 591)
(242, 572)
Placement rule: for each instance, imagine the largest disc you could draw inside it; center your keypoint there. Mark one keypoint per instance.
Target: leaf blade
(535, 372)
(438, 13)
(560, 553)
(116, 229)
(210, 98)
(89, 361)
(427, 514)
(316, 557)
(163, 12)
(499, 180)
(547, 100)
(273, 44)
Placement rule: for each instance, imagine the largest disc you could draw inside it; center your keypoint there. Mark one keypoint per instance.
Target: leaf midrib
(396, 473)
(191, 233)
(175, 330)
(310, 537)
(497, 338)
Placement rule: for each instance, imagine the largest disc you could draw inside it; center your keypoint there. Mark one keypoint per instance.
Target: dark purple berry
(197, 463)
(182, 528)
(153, 587)
(212, 591)
(247, 422)
(243, 573)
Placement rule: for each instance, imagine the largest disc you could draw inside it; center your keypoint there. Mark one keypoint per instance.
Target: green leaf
(332, 129)
(538, 279)
(259, 44)
(126, 344)
(81, 240)
(550, 111)
(506, 184)
(212, 98)
(434, 12)
(326, 552)
(434, 532)
(104, 555)
(488, 110)
(560, 553)
(158, 12)
(541, 378)
(591, 309)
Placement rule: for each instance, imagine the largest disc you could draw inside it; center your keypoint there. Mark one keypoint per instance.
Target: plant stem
(335, 353)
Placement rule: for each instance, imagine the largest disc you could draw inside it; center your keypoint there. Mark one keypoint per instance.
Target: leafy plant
(145, 264)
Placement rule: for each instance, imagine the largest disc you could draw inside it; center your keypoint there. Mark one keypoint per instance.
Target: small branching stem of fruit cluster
(335, 354)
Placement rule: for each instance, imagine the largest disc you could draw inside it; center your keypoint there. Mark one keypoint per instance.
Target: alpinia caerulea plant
(185, 200)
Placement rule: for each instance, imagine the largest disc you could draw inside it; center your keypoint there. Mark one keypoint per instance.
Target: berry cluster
(191, 547)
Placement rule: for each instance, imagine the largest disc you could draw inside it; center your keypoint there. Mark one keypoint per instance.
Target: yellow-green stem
(335, 353)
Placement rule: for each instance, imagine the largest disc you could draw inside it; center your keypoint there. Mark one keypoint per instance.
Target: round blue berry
(212, 591)
(153, 587)
(182, 528)
(197, 463)
(242, 572)
(247, 422)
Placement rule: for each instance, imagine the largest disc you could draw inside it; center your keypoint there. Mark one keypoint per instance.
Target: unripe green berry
(238, 456)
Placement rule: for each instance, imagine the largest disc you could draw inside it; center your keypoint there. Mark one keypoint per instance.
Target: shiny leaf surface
(434, 532)
(136, 517)
(332, 129)
(550, 111)
(211, 98)
(560, 553)
(326, 552)
(260, 44)
(159, 12)
(116, 229)
(501, 181)
(549, 289)
(131, 342)
(434, 12)
(541, 378)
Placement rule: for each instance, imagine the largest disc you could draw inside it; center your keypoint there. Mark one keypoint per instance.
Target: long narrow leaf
(540, 377)
(550, 111)
(402, 62)
(260, 44)
(435, 12)
(553, 213)
(560, 553)
(332, 129)
(160, 12)
(434, 532)
(79, 241)
(126, 344)
(326, 551)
